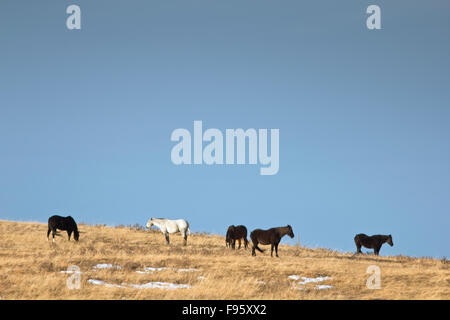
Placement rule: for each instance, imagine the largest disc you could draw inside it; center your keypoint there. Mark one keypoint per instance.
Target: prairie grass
(33, 268)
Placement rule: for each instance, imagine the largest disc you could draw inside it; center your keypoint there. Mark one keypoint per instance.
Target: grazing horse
(272, 236)
(171, 226)
(374, 242)
(236, 233)
(62, 223)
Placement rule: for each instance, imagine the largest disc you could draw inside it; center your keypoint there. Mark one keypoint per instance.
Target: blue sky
(86, 115)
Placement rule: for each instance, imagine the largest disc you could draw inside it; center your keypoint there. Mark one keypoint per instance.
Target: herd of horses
(270, 237)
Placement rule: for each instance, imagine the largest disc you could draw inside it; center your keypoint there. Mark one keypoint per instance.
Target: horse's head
(389, 240)
(76, 235)
(290, 232)
(149, 223)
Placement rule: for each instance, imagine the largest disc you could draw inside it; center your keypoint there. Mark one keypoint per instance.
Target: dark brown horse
(62, 223)
(272, 236)
(236, 233)
(374, 242)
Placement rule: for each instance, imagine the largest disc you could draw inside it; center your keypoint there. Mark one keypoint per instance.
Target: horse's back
(182, 223)
(241, 231)
(241, 228)
(54, 218)
(55, 221)
(62, 223)
(257, 233)
(262, 236)
(261, 231)
(364, 240)
(361, 236)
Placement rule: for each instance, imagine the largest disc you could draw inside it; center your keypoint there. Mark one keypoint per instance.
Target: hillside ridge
(130, 263)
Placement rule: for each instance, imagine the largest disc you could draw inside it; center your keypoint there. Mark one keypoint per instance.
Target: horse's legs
(239, 243)
(276, 249)
(376, 250)
(358, 247)
(254, 247)
(233, 244)
(245, 242)
(53, 234)
(185, 238)
(48, 232)
(271, 249)
(167, 238)
(69, 233)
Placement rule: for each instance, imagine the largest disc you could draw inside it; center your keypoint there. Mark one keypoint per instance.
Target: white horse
(171, 226)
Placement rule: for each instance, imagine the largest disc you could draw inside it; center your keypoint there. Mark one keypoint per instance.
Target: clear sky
(364, 116)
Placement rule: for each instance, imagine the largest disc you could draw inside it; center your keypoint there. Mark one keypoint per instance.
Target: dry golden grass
(30, 268)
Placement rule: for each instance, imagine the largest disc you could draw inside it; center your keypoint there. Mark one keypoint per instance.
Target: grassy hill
(129, 263)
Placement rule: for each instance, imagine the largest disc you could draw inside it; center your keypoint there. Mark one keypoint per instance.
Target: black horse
(63, 223)
(272, 236)
(374, 242)
(236, 233)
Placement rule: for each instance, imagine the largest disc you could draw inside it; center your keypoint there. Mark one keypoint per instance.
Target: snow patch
(309, 280)
(149, 285)
(160, 285)
(187, 270)
(103, 283)
(152, 269)
(323, 286)
(106, 266)
(306, 280)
